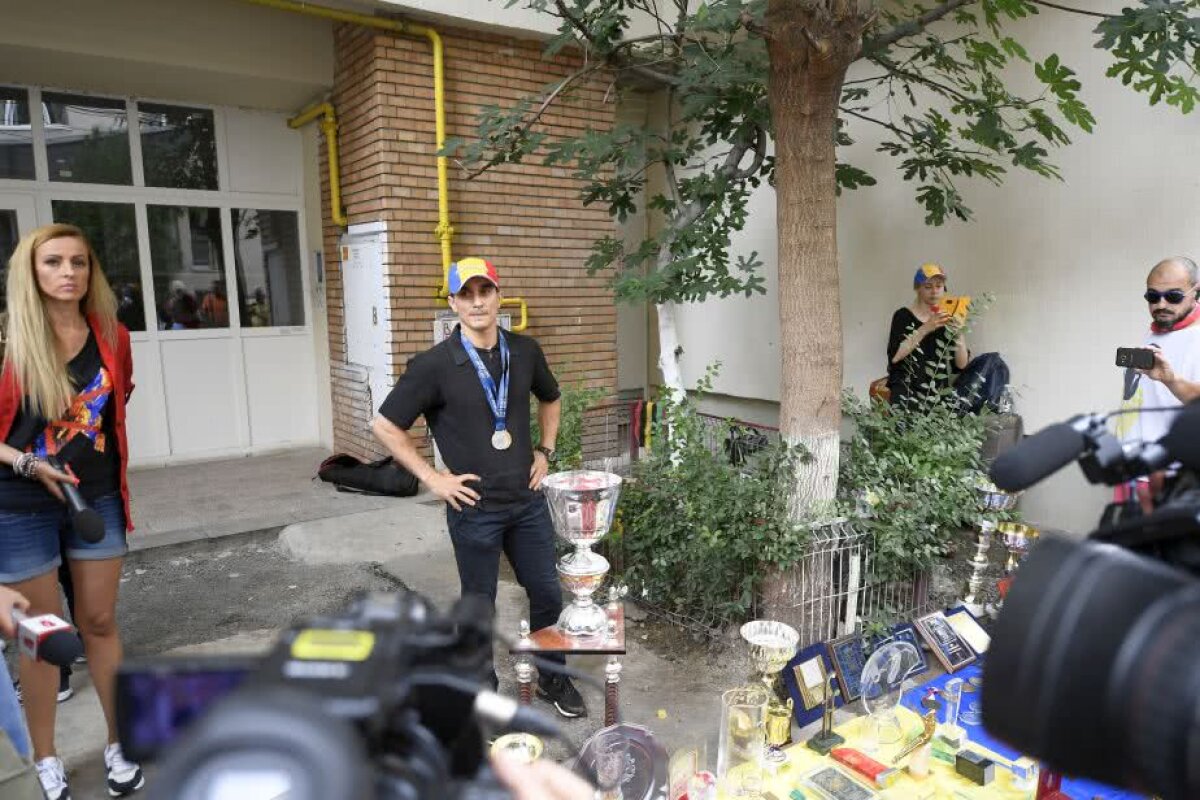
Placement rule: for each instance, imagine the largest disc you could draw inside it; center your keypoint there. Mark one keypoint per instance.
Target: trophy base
(583, 621)
(824, 742)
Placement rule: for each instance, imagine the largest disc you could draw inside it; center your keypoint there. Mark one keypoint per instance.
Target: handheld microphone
(47, 638)
(86, 520)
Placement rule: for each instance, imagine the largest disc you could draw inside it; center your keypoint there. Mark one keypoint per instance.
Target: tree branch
(759, 145)
(525, 127)
(912, 26)
(1070, 10)
(898, 131)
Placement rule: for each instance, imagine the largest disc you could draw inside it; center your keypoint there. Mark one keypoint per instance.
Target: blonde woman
(67, 373)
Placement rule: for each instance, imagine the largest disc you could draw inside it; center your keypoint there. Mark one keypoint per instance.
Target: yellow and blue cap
(927, 271)
(464, 269)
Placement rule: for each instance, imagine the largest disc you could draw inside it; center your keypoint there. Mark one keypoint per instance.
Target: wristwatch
(548, 452)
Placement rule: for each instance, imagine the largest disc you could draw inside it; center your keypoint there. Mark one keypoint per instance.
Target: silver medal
(501, 440)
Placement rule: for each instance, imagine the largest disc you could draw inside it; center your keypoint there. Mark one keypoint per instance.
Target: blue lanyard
(497, 398)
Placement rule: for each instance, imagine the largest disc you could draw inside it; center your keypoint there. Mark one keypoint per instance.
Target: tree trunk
(669, 349)
(810, 49)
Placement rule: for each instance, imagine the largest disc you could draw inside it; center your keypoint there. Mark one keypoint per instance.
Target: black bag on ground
(383, 477)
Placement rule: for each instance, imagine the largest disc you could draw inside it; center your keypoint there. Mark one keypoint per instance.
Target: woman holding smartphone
(66, 378)
(921, 336)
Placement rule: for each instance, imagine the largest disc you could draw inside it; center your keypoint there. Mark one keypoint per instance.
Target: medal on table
(497, 396)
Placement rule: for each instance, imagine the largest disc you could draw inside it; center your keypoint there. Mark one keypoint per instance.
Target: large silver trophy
(582, 506)
(990, 500)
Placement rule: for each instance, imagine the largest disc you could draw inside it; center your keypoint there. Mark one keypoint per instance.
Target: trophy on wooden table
(582, 506)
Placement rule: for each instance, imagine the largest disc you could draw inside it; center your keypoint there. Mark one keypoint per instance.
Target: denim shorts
(32, 542)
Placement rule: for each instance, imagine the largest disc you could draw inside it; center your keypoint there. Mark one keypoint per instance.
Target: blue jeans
(32, 542)
(12, 721)
(525, 535)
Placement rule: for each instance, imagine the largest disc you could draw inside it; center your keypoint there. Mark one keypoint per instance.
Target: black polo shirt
(441, 384)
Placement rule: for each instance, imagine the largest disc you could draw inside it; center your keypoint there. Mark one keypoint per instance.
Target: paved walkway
(675, 696)
(211, 499)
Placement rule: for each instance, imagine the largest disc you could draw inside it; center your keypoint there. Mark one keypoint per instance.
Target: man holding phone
(1172, 290)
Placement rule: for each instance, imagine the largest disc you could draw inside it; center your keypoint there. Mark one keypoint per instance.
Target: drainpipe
(444, 231)
(329, 127)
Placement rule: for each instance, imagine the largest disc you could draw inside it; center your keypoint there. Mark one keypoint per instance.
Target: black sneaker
(562, 694)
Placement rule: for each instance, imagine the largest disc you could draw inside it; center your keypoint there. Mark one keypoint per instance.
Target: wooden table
(552, 639)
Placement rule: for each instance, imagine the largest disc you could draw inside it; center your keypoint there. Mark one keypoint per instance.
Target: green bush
(694, 529)
(576, 399)
(912, 471)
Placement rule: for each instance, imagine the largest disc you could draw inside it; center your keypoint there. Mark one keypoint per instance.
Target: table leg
(612, 675)
(525, 680)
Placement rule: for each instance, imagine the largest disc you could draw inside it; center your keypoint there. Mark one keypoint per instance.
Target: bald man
(1172, 288)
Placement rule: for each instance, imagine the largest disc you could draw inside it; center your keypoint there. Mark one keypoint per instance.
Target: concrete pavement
(228, 553)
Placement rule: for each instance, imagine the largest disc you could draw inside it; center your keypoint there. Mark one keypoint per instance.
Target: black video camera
(1094, 664)
(387, 700)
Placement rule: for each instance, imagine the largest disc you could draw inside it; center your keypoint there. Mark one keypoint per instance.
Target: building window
(16, 135)
(189, 273)
(179, 146)
(87, 139)
(10, 236)
(267, 260)
(112, 230)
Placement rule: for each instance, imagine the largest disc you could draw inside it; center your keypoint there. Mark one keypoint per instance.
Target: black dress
(910, 377)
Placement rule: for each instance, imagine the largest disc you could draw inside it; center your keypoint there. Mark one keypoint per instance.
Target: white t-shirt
(1182, 351)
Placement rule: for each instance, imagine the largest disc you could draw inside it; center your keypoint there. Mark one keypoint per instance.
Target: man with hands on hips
(474, 389)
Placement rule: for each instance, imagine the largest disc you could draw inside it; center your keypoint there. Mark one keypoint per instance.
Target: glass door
(17, 217)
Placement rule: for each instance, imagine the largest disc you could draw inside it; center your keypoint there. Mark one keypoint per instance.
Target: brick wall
(527, 219)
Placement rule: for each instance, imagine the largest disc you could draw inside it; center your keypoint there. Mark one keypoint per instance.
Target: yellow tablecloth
(942, 783)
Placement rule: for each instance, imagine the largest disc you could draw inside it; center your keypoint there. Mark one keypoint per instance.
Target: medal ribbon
(497, 397)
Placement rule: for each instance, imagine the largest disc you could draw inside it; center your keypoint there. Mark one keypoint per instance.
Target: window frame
(224, 200)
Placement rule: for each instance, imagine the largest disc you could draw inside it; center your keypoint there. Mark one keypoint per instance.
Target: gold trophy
(772, 646)
(825, 739)
(1018, 538)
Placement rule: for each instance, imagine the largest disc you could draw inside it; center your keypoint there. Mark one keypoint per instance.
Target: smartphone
(955, 306)
(158, 698)
(1136, 357)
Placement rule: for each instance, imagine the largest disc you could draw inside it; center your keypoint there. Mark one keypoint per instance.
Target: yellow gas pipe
(329, 128)
(444, 231)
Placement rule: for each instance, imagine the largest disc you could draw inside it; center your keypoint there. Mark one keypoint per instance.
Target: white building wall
(258, 66)
(222, 52)
(1065, 261)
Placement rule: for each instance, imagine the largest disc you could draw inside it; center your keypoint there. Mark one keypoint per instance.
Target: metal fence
(612, 437)
(830, 591)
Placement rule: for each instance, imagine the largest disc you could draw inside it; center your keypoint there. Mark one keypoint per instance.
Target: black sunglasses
(1172, 296)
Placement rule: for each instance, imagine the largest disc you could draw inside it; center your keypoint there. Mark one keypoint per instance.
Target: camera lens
(1093, 667)
(267, 743)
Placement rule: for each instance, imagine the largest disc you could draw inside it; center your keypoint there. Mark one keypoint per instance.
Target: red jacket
(120, 367)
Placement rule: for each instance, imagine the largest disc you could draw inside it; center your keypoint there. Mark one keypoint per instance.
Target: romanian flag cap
(464, 269)
(927, 271)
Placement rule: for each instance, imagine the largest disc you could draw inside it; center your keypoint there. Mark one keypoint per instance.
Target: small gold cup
(1018, 538)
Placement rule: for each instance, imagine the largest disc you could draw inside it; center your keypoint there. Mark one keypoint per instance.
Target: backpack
(982, 383)
(382, 477)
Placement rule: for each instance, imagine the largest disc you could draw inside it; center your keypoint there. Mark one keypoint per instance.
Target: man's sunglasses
(1172, 296)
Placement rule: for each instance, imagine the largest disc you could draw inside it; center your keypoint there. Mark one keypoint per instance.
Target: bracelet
(26, 465)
